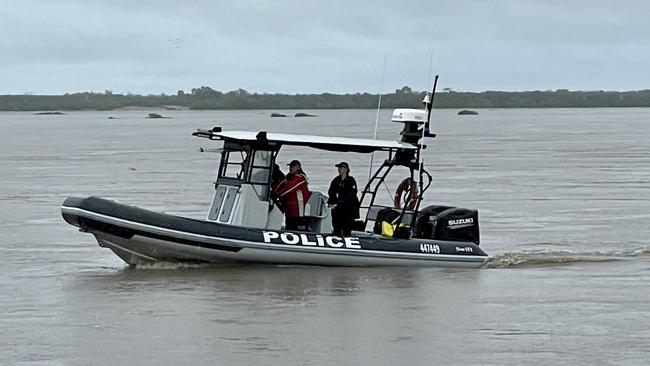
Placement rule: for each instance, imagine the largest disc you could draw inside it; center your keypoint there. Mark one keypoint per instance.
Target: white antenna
(374, 135)
(427, 100)
(428, 105)
(430, 68)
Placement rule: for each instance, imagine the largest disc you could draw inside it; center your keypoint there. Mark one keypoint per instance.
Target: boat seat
(317, 214)
(316, 206)
(374, 210)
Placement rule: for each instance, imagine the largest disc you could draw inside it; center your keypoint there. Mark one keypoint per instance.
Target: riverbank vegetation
(208, 98)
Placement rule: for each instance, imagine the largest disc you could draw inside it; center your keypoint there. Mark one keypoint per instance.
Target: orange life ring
(409, 190)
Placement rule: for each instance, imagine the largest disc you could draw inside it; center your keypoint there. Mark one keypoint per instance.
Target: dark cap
(294, 162)
(343, 164)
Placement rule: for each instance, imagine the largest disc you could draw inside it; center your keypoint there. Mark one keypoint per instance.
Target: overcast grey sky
(54, 47)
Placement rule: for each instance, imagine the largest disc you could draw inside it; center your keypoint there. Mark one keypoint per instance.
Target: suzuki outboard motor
(447, 223)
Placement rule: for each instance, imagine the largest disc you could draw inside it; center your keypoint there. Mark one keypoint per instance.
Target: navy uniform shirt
(343, 194)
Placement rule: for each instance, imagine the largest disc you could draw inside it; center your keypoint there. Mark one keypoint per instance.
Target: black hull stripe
(129, 233)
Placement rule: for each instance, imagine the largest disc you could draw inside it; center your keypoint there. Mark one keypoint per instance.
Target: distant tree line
(208, 98)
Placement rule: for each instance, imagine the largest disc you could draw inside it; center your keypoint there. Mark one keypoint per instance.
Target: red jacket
(294, 194)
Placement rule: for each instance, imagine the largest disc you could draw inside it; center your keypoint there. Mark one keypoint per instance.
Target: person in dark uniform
(343, 200)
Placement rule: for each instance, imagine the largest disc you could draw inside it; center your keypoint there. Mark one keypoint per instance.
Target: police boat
(245, 224)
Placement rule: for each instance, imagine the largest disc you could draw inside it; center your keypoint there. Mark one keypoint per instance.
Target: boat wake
(550, 258)
(175, 266)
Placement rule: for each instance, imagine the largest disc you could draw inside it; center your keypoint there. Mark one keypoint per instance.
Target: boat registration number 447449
(430, 248)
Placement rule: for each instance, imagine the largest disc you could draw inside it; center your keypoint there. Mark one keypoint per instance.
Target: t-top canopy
(318, 142)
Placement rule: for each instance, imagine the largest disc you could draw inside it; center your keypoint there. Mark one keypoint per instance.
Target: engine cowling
(448, 223)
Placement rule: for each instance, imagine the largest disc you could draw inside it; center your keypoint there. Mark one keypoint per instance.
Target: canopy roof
(318, 142)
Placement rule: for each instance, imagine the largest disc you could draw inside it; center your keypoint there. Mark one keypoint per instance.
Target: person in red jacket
(293, 193)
